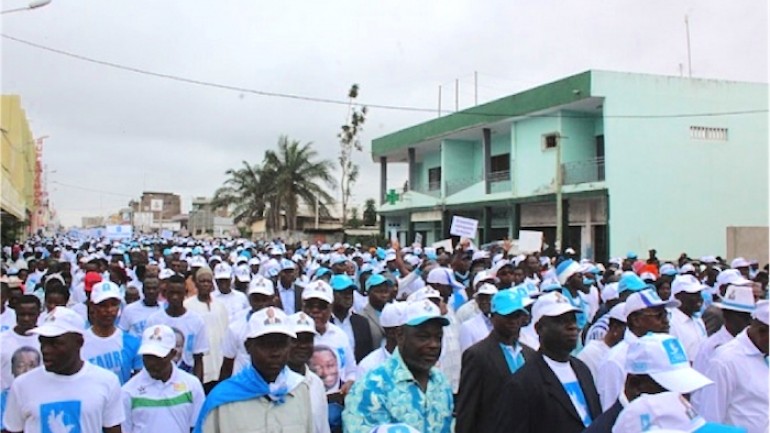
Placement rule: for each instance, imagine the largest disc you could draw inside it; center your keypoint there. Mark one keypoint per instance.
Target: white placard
(156, 205)
(446, 244)
(418, 238)
(530, 241)
(393, 235)
(124, 231)
(464, 227)
(166, 234)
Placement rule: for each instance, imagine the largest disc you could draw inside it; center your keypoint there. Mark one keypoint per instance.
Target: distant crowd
(179, 335)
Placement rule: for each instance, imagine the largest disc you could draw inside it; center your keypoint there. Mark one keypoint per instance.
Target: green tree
(349, 141)
(370, 213)
(354, 222)
(295, 175)
(247, 194)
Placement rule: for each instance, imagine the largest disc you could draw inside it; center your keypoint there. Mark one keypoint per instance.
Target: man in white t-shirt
(332, 359)
(214, 314)
(134, 317)
(686, 325)
(161, 398)
(20, 352)
(69, 394)
(105, 344)
(235, 300)
(189, 327)
(261, 294)
(555, 391)
(595, 351)
(7, 314)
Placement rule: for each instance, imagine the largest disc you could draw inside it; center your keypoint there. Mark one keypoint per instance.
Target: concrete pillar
(515, 220)
(565, 225)
(410, 174)
(383, 178)
(486, 216)
(487, 149)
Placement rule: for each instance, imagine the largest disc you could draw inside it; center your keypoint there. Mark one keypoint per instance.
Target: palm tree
(297, 176)
(247, 193)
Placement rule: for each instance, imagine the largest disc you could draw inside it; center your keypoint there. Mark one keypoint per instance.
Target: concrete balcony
(587, 171)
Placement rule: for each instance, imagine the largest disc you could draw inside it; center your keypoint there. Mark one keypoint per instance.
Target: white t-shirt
(563, 371)
(593, 355)
(7, 319)
(335, 339)
(233, 346)
(191, 335)
(117, 353)
(26, 351)
(372, 361)
(235, 302)
(168, 407)
(215, 317)
(691, 331)
(44, 402)
(134, 317)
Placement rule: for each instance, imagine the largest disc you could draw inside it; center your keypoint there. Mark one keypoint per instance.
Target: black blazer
(534, 401)
(605, 421)
(484, 371)
(362, 335)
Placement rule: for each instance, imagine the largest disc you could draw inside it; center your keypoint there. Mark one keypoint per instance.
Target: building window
(708, 133)
(550, 141)
(434, 178)
(500, 168)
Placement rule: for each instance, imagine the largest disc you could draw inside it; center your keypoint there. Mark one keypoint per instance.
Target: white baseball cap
(254, 261)
(197, 262)
(318, 289)
(647, 298)
(302, 323)
(423, 293)
(223, 271)
(662, 357)
(610, 292)
(618, 312)
(60, 321)
(270, 320)
(551, 304)
(105, 290)
(243, 273)
(393, 314)
(165, 273)
(440, 275)
(685, 283)
(761, 312)
(732, 276)
(737, 298)
(484, 275)
(486, 289)
(157, 340)
(739, 262)
(686, 268)
(667, 411)
(262, 286)
(419, 312)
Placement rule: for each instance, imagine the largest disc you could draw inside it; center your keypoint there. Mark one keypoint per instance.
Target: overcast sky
(120, 132)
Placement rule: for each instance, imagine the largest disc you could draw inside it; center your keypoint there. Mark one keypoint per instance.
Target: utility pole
(439, 100)
(689, 55)
(457, 94)
(558, 180)
(475, 88)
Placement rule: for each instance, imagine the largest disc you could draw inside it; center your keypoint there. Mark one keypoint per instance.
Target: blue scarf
(246, 385)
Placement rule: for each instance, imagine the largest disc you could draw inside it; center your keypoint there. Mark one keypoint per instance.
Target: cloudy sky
(114, 133)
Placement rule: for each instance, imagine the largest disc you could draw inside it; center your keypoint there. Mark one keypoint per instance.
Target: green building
(637, 161)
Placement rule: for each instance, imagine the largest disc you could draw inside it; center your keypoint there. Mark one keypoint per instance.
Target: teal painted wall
(668, 191)
(534, 169)
(462, 160)
(579, 142)
(501, 144)
(427, 161)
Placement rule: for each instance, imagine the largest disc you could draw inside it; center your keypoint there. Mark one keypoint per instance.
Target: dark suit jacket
(605, 421)
(362, 335)
(484, 371)
(378, 332)
(534, 401)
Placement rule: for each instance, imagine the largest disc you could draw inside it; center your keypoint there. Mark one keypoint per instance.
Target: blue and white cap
(667, 411)
(662, 357)
(440, 275)
(647, 298)
(737, 298)
(419, 312)
(506, 302)
(566, 269)
(105, 290)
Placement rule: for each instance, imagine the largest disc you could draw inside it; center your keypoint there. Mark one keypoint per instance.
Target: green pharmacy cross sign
(391, 197)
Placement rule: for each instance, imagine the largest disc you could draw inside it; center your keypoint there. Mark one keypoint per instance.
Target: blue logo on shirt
(675, 351)
(575, 393)
(60, 417)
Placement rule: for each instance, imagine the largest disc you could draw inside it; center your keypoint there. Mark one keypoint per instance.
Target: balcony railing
(499, 176)
(575, 172)
(432, 189)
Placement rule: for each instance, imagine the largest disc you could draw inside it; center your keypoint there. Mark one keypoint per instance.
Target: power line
(347, 102)
(56, 182)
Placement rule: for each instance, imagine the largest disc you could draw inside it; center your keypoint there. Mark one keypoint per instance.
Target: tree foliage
(349, 142)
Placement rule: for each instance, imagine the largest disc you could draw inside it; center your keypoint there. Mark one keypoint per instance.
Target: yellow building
(18, 157)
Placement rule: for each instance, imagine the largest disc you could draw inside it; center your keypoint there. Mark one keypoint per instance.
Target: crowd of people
(180, 335)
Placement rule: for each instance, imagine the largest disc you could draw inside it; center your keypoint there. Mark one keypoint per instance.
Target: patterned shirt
(390, 394)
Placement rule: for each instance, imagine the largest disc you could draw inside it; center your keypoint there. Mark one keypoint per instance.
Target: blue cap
(341, 282)
(630, 281)
(376, 280)
(320, 272)
(506, 302)
(631, 255)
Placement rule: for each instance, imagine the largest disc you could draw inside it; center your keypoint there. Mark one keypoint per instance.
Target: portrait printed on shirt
(179, 347)
(325, 363)
(24, 359)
